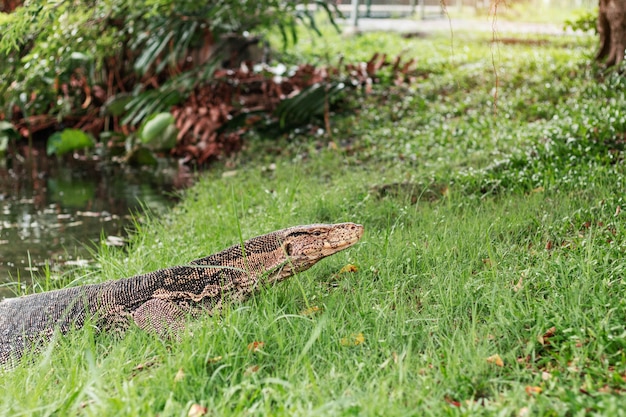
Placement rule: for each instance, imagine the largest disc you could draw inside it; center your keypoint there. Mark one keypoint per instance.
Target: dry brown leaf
(530, 390)
(254, 346)
(196, 410)
(550, 332)
(452, 402)
(185, 126)
(543, 339)
(524, 359)
(496, 360)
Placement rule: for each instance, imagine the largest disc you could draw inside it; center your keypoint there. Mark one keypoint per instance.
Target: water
(52, 211)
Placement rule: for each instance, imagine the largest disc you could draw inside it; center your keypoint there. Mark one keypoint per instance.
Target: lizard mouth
(357, 233)
(354, 231)
(346, 236)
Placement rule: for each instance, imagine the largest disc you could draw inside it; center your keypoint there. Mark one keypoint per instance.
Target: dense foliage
(105, 65)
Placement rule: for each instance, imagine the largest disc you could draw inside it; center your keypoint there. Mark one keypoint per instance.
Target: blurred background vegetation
(135, 78)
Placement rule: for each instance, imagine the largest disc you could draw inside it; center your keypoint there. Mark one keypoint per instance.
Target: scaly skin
(159, 301)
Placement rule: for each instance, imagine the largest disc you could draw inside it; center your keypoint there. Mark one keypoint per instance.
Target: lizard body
(159, 301)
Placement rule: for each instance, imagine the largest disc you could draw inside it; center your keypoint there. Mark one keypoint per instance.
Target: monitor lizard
(160, 301)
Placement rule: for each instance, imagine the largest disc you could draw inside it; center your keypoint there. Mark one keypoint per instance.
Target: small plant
(68, 140)
(586, 21)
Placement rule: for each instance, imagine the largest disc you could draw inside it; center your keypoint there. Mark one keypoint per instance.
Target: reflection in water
(52, 211)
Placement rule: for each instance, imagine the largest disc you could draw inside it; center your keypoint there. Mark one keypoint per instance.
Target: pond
(54, 213)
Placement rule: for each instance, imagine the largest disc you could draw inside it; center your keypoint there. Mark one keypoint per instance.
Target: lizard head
(305, 245)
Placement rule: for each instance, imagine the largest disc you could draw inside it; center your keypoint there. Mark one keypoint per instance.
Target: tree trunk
(612, 31)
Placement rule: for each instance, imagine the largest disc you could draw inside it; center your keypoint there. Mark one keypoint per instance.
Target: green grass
(529, 236)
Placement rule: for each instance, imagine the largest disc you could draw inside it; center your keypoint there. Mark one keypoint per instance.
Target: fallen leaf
(618, 210)
(523, 412)
(254, 346)
(496, 360)
(179, 375)
(452, 402)
(543, 339)
(518, 286)
(196, 410)
(538, 190)
(550, 332)
(355, 339)
(545, 375)
(310, 311)
(532, 390)
(349, 268)
(214, 359)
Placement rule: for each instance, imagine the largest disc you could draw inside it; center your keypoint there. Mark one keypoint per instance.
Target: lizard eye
(317, 233)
